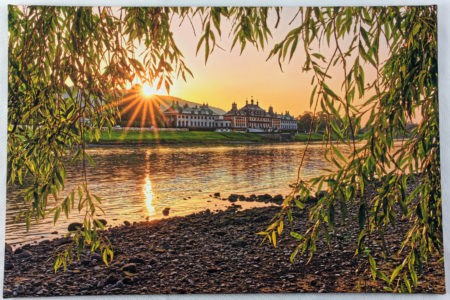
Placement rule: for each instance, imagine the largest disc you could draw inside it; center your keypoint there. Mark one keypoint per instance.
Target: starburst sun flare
(147, 90)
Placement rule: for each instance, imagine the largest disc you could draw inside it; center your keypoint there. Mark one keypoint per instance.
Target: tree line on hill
(308, 122)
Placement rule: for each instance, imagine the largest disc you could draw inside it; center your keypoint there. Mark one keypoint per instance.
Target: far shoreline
(147, 137)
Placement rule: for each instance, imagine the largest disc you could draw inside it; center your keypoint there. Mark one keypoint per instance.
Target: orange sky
(229, 76)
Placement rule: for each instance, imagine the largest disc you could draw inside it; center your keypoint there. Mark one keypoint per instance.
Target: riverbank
(123, 136)
(205, 253)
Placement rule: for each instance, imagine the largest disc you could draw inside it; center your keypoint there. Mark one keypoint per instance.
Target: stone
(166, 211)
(111, 279)
(136, 260)
(119, 284)
(321, 194)
(102, 221)
(19, 289)
(8, 249)
(264, 198)
(8, 265)
(239, 243)
(311, 200)
(130, 267)
(278, 199)
(233, 198)
(127, 280)
(217, 195)
(54, 232)
(75, 226)
(24, 254)
(42, 292)
(126, 223)
(62, 241)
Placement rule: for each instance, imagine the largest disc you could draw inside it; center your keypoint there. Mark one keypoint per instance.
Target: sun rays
(140, 108)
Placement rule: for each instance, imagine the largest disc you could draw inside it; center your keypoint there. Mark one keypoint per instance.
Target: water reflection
(137, 182)
(148, 191)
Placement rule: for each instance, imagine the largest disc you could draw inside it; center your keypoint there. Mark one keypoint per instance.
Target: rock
(239, 243)
(213, 270)
(101, 221)
(19, 290)
(311, 200)
(8, 265)
(74, 226)
(8, 249)
(126, 223)
(217, 195)
(23, 254)
(7, 293)
(166, 211)
(130, 267)
(264, 198)
(42, 292)
(252, 197)
(54, 232)
(136, 260)
(111, 279)
(233, 198)
(127, 280)
(278, 199)
(62, 241)
(321, 194)
(119, 284)
(85, 262)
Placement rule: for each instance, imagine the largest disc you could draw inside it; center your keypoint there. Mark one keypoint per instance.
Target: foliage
(94, 49)
(66, 66)
(404, 89)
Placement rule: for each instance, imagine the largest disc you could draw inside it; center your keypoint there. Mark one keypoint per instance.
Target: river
(138, 182)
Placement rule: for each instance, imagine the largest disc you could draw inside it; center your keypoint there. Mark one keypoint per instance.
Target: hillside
(166, 101)
(141, 118)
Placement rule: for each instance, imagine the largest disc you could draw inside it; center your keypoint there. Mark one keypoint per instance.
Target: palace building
(195, 117)
(250, 118)
(253, 118)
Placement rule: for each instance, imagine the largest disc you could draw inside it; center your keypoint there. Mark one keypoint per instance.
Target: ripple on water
(182, 178)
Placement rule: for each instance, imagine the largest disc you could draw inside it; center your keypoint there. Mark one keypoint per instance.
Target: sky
(230, 77)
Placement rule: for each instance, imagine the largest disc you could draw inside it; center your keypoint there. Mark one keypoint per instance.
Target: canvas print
(185, 150)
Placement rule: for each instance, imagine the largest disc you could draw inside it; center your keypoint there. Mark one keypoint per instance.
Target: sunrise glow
(147, 90)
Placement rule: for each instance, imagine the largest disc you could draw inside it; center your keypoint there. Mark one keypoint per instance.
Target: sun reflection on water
(148, 191)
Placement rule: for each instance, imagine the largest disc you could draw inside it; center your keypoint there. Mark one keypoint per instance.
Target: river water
(138, 182)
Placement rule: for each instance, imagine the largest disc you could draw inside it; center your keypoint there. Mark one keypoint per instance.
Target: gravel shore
(202, 253)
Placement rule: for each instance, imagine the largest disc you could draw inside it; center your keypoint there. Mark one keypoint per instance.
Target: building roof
(255, 110)
(191, 110)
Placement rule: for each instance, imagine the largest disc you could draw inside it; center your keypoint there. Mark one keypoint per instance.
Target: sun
(147, 90)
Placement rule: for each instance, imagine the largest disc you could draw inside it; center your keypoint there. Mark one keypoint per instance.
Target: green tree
(67, 64)
(305, 122)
